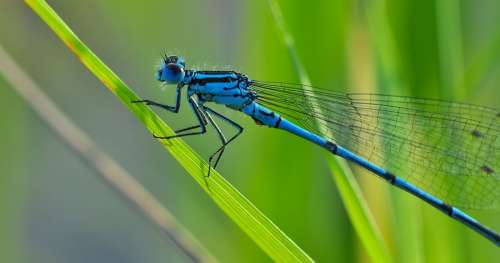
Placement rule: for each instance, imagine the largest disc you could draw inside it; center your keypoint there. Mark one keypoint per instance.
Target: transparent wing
(451, 150)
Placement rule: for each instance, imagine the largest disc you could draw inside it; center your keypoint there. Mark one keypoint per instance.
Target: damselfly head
(171, 70)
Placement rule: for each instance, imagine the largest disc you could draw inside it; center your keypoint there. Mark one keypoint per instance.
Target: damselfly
(443, 150)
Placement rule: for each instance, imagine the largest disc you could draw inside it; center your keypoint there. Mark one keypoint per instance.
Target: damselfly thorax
(228, 88)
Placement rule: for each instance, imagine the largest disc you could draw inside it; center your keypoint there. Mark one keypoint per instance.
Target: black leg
(188, 128)
(174, 109)
(221, 137)
(201, 119)
(157, 104)
(225, 142)
(194, 126)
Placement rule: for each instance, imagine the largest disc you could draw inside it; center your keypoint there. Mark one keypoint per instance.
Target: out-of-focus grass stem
(452, 86)
(353, 199)
(451, 59)
(407, 214)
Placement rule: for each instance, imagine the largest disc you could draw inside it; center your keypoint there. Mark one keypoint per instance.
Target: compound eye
(174, 68)
(173, 73)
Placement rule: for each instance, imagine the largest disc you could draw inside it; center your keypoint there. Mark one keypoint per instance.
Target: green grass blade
(262, 230)
(451, 74)
(353, 199)
(451, 57)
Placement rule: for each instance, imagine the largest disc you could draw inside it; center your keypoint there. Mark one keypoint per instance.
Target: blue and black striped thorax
(223, 87)
(231, 89)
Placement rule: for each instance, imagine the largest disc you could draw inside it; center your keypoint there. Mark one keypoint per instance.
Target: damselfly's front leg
(224, 141)
(174, 109)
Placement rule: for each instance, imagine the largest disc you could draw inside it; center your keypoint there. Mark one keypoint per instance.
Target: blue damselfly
(435, 150)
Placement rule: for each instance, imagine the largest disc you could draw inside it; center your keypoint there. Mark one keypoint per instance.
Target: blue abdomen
(264, 116)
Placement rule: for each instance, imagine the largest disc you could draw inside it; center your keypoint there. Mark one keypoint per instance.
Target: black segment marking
(477, 134)
(271, 114)
(487, 169)
(217, 72)
(447, 208)
(204, 81)
(331, 146)
(390, 177)
(277, 124)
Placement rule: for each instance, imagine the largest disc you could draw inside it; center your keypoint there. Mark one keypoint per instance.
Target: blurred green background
(52, 209)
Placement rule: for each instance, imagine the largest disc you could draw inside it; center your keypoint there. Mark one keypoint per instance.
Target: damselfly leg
(201, 120)
(174, 109)
(225, 142)
(203, 114)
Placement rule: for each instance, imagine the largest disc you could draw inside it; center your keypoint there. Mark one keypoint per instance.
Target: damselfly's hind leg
(218, 154)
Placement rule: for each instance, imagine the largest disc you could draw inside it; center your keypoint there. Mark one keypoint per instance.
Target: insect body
(402, 134)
